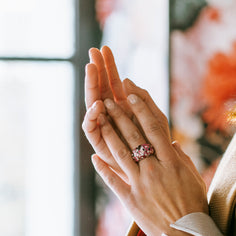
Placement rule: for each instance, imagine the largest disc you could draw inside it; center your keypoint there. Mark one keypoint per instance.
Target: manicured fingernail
(133, 98)
(101, 119)
(109, 104)
(177, 144)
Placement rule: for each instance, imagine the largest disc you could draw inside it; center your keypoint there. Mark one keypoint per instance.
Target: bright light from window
(42, 28)
(36, 149)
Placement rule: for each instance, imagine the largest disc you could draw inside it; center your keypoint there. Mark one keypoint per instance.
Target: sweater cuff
(197, 224)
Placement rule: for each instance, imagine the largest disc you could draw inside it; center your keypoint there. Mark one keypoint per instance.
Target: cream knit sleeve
(197, 224)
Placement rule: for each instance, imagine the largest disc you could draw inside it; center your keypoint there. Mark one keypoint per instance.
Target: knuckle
(105, 87)
(145, 93)
(146, 96)
(106, 130)
(117, 113)
(123, 153)
(134, 136)
(99, 145)
(114, 83)
(101, 70)
(153, 127)
(110, 180)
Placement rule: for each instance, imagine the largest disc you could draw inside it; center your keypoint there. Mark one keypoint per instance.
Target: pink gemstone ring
(142, 151)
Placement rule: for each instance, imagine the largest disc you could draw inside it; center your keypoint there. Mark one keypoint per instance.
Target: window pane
(36, 149)
(36, 28)
(145, 45)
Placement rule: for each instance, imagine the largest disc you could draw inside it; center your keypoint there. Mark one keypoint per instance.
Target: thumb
(187, 160)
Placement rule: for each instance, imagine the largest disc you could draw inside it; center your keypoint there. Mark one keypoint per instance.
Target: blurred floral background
(203, 80)
(195, 86)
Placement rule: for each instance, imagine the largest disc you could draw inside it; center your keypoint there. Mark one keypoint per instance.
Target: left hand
(102, 81)
(163, 187)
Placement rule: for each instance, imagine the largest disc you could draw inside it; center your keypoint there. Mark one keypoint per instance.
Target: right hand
(163, 187)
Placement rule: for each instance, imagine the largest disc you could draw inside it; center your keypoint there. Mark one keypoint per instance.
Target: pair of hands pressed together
(120, 116)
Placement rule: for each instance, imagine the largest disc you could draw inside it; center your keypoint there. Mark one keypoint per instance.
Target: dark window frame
(87, 35)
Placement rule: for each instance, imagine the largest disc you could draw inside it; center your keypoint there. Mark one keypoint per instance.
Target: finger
(97, 58)
(152, 128)
(92, 131)
(113, 75)
(131, 88)
(90, 120)
(128, 129)
(116, 184)
(93, 134)
(92, 92)
(117, 148)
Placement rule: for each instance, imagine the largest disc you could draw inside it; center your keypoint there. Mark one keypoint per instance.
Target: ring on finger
(142, 151)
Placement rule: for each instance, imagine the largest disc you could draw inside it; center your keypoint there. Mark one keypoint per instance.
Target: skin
(120, 116)
(102, 81)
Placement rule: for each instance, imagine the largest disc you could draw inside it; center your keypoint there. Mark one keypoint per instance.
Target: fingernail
(133, 98)
(109, 104)
(101, 119)
(176, 143)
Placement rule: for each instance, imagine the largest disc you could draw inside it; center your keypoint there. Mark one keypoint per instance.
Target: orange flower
(231, 118)
(219, 89)
(213, 13)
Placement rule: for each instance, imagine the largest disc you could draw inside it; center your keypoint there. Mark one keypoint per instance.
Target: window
(43, 49)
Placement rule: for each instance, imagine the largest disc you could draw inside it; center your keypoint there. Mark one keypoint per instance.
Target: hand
(163, 187)
(102, 81)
